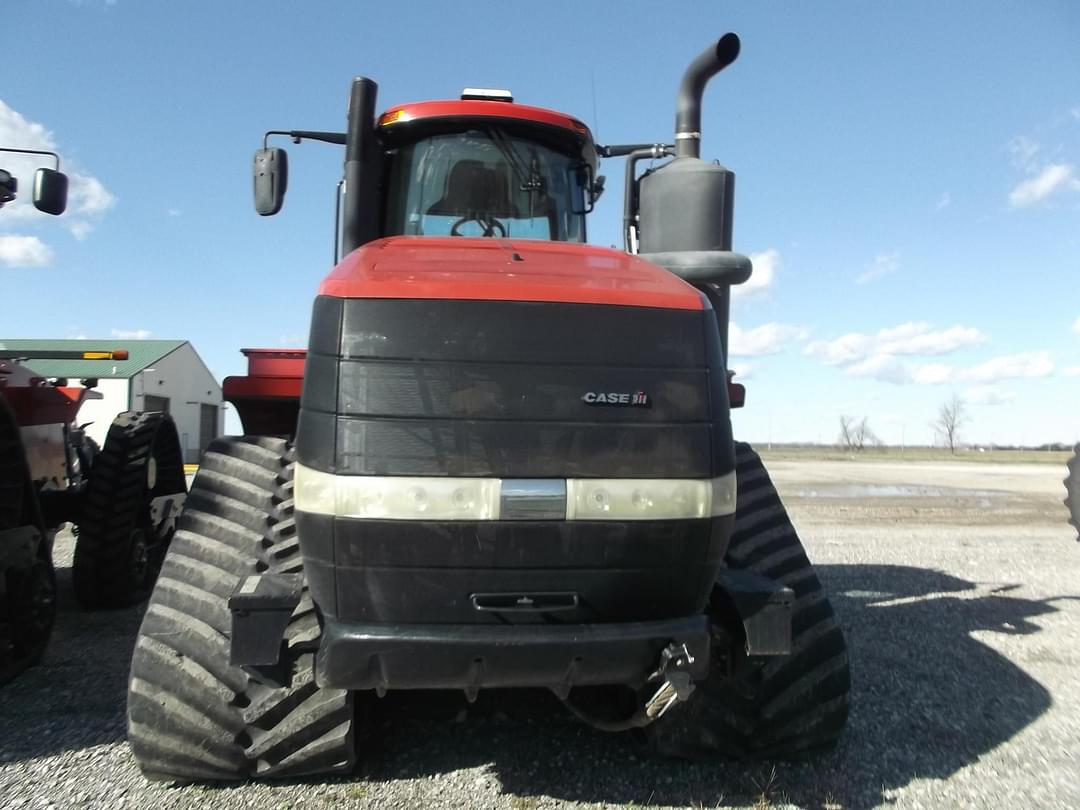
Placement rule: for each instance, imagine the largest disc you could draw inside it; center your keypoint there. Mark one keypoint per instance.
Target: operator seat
(473, 189)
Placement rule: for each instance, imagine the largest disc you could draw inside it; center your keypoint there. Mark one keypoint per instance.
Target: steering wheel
(490, 225)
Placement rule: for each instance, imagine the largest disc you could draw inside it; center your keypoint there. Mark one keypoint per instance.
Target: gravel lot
(959, 589)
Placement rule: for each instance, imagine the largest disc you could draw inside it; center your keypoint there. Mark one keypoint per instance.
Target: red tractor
(123, 499)
(504, 460)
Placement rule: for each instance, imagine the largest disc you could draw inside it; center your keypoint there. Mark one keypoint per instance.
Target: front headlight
(376, 497)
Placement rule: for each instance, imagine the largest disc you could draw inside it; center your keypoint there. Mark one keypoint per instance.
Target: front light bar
(377, 497)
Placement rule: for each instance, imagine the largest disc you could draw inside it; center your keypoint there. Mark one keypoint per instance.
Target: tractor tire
(27, 577)
(191, 715)
(785, 706)
(119, 549)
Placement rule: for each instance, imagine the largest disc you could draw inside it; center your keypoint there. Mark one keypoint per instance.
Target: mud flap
(261, 607)
(765, 608)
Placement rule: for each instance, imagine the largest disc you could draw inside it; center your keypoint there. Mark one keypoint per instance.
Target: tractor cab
(485, 168)
(480, 166)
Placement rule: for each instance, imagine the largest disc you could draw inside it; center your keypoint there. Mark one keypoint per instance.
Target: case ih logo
(638, 399)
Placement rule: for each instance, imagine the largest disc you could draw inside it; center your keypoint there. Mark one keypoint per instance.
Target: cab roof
(477, 108)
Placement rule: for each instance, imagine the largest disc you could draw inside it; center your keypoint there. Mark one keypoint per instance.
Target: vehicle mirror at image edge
(50, 191)
(271, 174)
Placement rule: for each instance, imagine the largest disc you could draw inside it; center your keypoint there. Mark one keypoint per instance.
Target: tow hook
(676, 687)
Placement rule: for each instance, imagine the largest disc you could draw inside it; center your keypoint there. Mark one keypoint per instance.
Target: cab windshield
(485, 183)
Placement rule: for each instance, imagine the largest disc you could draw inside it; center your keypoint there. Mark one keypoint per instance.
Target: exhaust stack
(361, 203)
(685, 208)
(688, 104)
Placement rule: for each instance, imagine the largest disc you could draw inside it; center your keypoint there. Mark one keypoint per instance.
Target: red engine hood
(505, 270)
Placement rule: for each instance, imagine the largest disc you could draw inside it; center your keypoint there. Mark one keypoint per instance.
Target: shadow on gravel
(927, 700)
(76, 697)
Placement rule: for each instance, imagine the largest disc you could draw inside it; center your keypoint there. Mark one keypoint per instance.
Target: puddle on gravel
(893, 491)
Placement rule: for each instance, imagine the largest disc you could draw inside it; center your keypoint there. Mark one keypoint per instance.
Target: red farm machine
(505, 460)
(123, 498)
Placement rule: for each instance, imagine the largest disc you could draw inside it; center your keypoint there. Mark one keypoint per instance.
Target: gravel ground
(958, 589)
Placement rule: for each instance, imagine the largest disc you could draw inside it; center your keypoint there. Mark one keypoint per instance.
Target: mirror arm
(53, 155)
(298, 135)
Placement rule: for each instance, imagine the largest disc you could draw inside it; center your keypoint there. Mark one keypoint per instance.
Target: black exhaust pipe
(360, 214)
(688, 106)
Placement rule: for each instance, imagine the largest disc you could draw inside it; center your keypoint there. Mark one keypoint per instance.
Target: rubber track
(116, 503)
(792, 705)
(192, 716)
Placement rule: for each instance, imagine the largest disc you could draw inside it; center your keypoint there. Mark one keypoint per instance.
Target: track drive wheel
(787, 706)
(27, 578)
(134, 492)
(191, 715)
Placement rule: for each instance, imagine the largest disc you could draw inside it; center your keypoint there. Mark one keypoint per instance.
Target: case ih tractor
(505, 460)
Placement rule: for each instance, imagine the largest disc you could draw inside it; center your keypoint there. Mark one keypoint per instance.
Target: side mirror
(597, 187)
(50, 191)
(271, 179)
(581, 181)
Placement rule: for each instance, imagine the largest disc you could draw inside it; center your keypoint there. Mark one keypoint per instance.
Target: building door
(154, 403)
(208, 420)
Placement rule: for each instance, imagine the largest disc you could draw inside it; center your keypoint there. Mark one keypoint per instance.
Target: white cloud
(933, 374)
(1010, 367)
(944, 200)
(88, 196)
(743, 371)
(132, 334)
(1076, 326)
(1071, 371)
(882, 367)
(849, 348)
(887, 368)
(173, 212)
(881, 266)
(1052, 178)
(912, 338)
(918, 339)
(988, 395)
(79, 228)
(1025, 365)
(765, 266)
(88, 199)
(769, 338)
(24, 251)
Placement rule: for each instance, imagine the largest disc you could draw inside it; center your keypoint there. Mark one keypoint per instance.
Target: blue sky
(908, 179)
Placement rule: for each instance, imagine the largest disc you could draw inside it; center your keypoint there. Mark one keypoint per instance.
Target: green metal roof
(141, 354)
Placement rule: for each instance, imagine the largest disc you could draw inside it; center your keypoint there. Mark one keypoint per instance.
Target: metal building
(159, 375)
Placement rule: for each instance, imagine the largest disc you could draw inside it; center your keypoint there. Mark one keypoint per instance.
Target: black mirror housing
(583, 175)
(271, 174)
(50, 191)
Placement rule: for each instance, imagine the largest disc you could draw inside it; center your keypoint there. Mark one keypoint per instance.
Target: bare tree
(856, 435)
(847, 432)
(951, 416)
(864, 435)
